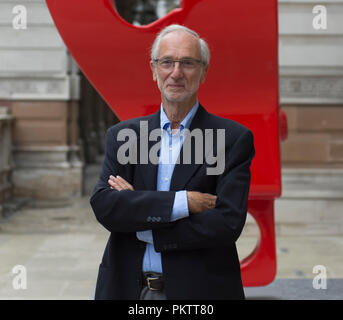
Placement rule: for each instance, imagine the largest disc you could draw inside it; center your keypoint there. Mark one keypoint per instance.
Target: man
(173, 225)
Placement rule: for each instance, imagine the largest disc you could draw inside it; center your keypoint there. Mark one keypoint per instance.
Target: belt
(153, 281)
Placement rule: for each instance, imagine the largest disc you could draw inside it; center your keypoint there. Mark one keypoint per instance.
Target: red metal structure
(242, 83)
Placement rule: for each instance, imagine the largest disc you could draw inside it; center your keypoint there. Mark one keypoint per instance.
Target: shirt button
(170, 148)
(166, 179)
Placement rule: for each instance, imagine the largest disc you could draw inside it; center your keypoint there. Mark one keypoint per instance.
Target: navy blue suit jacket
(199, 256)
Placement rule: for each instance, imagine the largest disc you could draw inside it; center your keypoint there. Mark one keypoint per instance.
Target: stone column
(87, 122)
(6, 162)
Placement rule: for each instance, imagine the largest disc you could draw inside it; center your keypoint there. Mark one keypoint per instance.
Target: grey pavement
(61, 249)
(296, 289)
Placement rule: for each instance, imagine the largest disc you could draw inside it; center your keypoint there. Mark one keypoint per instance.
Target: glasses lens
(165, 63)
(188, 64)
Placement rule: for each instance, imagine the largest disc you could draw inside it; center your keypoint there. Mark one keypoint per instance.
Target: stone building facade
(58, 128)
(311, 94)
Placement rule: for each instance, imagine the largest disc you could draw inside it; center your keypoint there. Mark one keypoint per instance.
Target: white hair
(204, 50)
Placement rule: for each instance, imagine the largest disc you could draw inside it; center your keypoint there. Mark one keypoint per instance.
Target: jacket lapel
(183, 172)
(148, 171)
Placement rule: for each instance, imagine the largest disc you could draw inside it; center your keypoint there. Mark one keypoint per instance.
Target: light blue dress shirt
(170, 148)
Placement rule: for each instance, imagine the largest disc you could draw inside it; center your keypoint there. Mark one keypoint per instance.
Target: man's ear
(153, 70)
(204, 73)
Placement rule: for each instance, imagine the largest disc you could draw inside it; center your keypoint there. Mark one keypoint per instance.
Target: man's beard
(169, 96)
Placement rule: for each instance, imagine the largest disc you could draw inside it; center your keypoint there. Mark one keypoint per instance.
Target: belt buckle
(150, 279)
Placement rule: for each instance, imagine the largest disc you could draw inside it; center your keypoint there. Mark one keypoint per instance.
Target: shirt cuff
(180, 207)
(145, 236)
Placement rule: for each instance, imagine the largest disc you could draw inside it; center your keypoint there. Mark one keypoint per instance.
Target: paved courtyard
(61, 249)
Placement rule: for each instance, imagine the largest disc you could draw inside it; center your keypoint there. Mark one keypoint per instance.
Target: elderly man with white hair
(174, 223)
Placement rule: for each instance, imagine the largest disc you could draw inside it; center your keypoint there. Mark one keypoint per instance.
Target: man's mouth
(175, 86)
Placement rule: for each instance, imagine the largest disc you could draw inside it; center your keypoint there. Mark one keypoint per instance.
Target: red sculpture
(242, 83)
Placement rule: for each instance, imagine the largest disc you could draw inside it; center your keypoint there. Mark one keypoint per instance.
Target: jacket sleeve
(223, 224)
(127, 211)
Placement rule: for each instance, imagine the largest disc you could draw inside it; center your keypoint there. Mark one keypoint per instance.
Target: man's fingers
(209, 197)
(114, 185)
(209, 200)
(199, 201)
(119, 183)
(124, 183)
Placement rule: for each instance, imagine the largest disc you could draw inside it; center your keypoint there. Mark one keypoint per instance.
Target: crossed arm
(123, 209)
(197, 201)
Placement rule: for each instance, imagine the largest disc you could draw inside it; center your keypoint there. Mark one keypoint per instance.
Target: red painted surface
(242, 82)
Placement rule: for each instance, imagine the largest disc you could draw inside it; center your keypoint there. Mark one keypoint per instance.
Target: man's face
(179, 84)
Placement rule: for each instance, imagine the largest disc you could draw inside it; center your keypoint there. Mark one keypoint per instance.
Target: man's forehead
(180, 40)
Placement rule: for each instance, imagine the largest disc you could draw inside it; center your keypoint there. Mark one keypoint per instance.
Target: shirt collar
(185, 123)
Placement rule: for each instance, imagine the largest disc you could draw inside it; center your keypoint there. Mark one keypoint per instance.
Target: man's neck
(177, 111)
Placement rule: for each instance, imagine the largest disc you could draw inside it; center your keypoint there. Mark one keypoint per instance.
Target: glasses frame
(180, 61)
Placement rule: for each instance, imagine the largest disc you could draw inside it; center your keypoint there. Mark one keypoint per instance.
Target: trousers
(147, 294)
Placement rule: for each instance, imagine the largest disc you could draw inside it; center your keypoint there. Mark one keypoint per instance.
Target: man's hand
(199, 202)
(118, 183)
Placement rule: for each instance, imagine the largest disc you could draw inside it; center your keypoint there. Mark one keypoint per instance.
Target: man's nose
(177, 70)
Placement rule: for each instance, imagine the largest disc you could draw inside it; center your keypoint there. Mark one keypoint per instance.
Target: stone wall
(46, 149)
(311, 84)
(315, 136)
(39, 82)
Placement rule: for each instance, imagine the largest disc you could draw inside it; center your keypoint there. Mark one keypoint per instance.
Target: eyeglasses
(185, 64)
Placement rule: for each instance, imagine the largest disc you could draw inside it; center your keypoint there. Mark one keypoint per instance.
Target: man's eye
(188, 63)
(166, 62)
